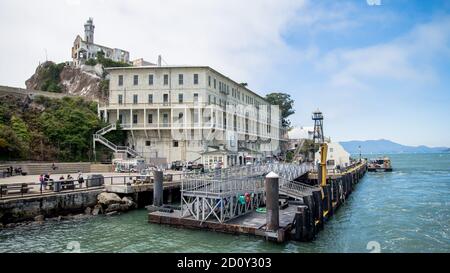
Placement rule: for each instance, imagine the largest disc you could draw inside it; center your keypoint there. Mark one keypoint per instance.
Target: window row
(151, 79)
(150, 98)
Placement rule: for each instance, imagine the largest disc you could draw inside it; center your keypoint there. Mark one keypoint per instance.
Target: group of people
(14, 171)
(44, 179)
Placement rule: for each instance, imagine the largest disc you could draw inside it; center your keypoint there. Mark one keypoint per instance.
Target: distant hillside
(384, 146)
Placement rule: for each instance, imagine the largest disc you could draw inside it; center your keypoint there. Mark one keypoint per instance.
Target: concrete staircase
(98, 137)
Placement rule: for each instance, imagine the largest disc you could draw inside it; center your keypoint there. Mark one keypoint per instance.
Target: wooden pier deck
(301, 220)
(253, 223)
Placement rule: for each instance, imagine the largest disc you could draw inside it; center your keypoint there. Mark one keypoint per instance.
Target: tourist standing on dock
(42, 181)
(80, 179)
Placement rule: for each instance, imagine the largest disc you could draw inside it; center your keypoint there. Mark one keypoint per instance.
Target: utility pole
(359, 147)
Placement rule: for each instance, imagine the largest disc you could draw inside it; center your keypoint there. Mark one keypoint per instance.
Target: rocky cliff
(86, 81)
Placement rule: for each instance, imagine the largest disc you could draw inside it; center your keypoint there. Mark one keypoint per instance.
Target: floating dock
(227, 201)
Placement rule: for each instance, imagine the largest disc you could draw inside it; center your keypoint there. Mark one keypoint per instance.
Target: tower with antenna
(89, 31)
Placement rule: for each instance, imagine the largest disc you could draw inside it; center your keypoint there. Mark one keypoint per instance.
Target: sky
(377, 69)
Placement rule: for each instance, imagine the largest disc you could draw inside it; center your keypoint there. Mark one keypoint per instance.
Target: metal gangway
(225, 194)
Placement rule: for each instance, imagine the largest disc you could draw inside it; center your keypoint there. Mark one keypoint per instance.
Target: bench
(16, 188)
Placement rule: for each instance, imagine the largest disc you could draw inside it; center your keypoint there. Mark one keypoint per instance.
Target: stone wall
(25, 209)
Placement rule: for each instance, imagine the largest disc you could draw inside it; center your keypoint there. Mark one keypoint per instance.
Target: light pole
(359, 147)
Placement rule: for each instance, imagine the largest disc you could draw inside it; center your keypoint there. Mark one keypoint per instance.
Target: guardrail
(207, 187)
(14, 190)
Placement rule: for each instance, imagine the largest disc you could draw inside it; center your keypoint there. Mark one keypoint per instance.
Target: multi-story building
(191, 113)
(83, 50)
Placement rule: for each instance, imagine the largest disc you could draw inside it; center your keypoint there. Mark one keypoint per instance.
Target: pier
(240, 200)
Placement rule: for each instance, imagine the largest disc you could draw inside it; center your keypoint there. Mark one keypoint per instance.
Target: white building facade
(191, 113)
(336, 156)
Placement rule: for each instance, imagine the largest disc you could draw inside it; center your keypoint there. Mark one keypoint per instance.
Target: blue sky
(376, 71)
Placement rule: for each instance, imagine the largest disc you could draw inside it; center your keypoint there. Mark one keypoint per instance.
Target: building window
(209, 99)
(175, 144)
(166, 99)
(135, 99)
(120, 118)
(195, 97)
(165, 120)
(120, 99)
(214, 83)
(150, 118)
(180, 116)
(150, 98)
(180, 79)
(150, 79)
(135, 80)
(135, 118)
(331, 150)
(209, 81)
(120, 80)
(180, 98)
(195, 78)
(147, 143)
(166, 79)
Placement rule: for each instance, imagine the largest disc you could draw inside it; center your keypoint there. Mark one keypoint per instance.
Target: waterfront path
(109, 178)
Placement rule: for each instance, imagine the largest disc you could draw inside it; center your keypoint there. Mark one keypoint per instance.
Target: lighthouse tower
(89, 31)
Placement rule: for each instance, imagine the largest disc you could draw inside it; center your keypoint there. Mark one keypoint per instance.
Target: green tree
(286, 104)
(11, 147)
(20, 128)
(69, 123)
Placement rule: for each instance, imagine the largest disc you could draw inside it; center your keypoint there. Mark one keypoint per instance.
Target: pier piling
(158, 189)
(272, 203)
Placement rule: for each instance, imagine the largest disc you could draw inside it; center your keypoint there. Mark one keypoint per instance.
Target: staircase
(98, 137)
(295, 190)
(299, 148)
(106, 129)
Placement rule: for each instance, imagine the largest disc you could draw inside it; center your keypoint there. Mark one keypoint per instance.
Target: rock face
(36, 80)
(97, 210)
(39, 218)
(107, 198)
(74, 81)
(111, 202)
(84, 81)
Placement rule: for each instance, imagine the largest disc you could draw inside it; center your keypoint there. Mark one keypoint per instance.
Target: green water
(407, 210)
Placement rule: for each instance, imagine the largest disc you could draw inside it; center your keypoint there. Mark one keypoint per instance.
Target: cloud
(236, 37)
(409, 58)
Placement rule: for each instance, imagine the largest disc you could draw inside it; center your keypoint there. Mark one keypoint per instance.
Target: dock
(228, 201)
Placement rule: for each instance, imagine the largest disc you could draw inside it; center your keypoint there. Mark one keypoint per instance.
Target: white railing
(106, 129)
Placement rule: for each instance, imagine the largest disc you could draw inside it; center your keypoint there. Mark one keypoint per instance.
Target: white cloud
(408, 58)
(236, 37)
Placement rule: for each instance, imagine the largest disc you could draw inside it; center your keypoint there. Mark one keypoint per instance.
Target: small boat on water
(380, 165)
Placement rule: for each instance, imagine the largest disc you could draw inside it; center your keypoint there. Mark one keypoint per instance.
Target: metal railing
(246, 178)
(114, 147)
(106, 129)
(15, 190)
(231, 186)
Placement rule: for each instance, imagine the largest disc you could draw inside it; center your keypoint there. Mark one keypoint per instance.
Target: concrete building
(191, 113)
(85, 49)
(337, 156)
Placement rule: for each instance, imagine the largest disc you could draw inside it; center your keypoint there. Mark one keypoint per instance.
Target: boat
(380, 165)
